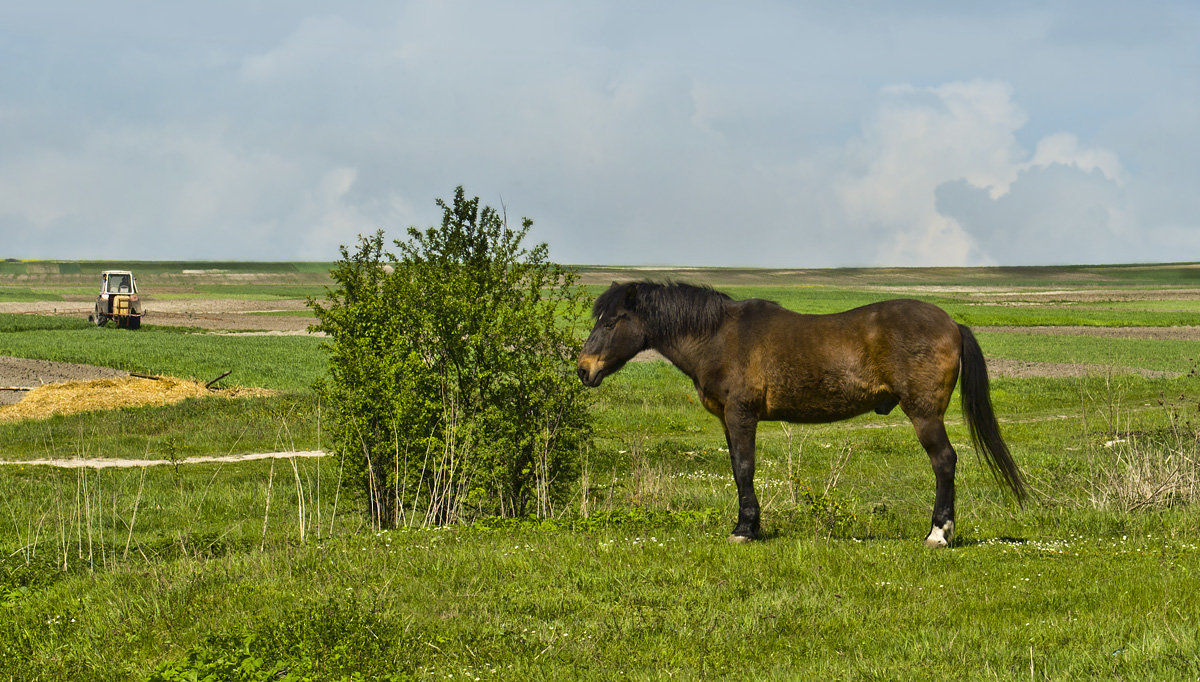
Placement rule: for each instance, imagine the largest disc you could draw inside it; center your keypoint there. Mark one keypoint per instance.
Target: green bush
(451, 375)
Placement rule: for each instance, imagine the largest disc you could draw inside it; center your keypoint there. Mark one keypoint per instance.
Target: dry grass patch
(70, 397)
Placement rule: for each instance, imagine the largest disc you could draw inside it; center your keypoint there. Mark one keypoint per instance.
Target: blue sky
(673, 133)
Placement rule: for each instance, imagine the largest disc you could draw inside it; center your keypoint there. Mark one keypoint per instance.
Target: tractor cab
(118, 300)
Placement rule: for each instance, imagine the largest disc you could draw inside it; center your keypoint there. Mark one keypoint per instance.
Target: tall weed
(1132, 469)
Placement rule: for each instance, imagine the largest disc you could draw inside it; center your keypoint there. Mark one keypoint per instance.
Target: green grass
(283, 313)
(1051, 315)
(1079, 590)
(975, 313)
(290, 363)
(640, 597)
(1169, 355)
(1173, 305)
(10, 323)
(202, 570)
(194, 427)
(24, 294)
(258, 291)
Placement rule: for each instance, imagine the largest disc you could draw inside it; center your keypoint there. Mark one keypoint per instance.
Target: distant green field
(1169, 355)
(27, 294)
(1173, 305)
(283, 313)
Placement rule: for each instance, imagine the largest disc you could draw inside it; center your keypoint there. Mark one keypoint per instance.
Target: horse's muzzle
(588, 379)
(591, 370)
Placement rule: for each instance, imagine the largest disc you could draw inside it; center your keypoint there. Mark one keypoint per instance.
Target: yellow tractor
(118, 300)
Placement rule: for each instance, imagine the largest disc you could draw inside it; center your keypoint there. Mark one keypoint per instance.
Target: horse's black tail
(981, 420)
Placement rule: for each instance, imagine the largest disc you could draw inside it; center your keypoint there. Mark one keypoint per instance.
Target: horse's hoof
(740, 539)
(940, 536)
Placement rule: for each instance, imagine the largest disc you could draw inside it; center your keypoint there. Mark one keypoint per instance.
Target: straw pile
(69, 397)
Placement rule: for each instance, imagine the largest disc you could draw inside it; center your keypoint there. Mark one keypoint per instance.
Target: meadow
(267, 570)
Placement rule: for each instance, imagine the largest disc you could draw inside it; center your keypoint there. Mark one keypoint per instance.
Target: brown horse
(754, 360)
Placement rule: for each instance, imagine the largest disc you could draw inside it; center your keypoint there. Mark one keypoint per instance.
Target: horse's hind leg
(932, 433)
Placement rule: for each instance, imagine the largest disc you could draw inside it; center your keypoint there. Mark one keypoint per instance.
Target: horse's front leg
(740, 429)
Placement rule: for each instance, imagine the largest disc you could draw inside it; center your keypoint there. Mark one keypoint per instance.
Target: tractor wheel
(135, 322)
(101, 320)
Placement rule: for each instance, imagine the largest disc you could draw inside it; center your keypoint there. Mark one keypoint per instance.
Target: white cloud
(1064, 149)
(918, 139)
(964, 136)
(1054, 214)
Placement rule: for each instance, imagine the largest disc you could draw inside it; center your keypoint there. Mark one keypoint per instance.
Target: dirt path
(231, 314)
(77, 463)
(1156, 333)
(1027, 369)
(279, 315)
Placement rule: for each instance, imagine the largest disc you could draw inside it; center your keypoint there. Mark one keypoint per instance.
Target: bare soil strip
(1157, 333)
(201, 313)
(1027, 369)
(78, 463)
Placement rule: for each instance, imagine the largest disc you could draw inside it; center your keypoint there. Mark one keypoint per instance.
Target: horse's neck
(685, 353)
(690, 347)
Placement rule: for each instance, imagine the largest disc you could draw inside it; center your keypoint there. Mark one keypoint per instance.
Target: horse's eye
(611, 322)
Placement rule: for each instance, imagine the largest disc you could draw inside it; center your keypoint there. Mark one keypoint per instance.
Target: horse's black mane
(668, 309)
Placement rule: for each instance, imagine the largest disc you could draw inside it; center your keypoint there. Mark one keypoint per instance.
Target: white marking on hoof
(940, 537)
(739, 539)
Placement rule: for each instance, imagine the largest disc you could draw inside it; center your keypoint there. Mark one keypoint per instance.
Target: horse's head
(619, 334)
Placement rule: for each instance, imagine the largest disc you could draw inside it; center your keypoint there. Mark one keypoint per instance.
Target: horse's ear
(630, 295)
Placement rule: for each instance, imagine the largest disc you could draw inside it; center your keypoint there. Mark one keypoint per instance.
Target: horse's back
(816, 368)
(887, 326)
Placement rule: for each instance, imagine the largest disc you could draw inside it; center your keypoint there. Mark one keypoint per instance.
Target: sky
(692, 133)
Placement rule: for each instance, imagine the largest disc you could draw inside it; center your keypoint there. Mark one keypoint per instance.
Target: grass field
(290, 363)
(266, 570)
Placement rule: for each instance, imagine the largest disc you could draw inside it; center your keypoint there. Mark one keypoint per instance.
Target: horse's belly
(817, 404)
(816, 414)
